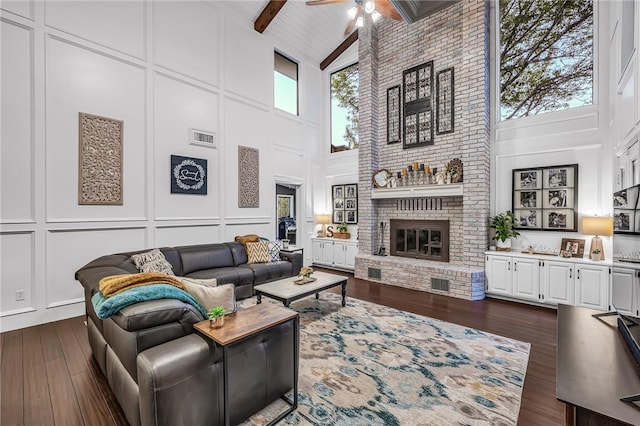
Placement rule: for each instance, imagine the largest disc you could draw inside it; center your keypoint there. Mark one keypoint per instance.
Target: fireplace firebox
(420, 239)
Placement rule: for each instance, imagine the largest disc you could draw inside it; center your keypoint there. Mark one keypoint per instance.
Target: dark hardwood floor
(48, 376)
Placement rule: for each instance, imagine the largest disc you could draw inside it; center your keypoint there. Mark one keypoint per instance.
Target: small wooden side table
(244, 324)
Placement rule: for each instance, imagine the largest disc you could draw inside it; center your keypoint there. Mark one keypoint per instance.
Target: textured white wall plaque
(248, 177)
(100, 169)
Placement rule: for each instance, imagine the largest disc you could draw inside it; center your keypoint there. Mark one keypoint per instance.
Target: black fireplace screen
(420, 239)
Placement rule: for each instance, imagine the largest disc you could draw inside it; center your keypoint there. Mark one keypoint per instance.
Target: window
(546, 56)
(344, 109)
(627, 44)
(285, 84)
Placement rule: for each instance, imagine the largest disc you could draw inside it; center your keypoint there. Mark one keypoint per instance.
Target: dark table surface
(594, 365)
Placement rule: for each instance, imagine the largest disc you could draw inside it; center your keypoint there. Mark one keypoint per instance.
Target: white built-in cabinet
(334, 253)
(625, 290)
(548, 281)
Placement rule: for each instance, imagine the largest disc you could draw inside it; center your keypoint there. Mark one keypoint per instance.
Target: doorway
(286, 226)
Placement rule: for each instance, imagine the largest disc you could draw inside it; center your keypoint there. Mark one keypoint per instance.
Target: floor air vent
(440, 284)
(374, 273)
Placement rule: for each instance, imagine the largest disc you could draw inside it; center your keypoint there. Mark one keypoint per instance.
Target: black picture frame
(626, 211)
(344, 202)
(393, 115)
(546, 198)
(417, 100)
(188, 175)
(445, 106)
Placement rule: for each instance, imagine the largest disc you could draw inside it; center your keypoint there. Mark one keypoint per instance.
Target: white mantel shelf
(425, 191)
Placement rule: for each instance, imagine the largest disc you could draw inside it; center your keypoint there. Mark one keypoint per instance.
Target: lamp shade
(597, 225)
(323, 219)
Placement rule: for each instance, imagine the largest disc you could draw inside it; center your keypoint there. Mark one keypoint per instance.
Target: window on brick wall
(546, 56)
(285, 84)
(344, 109)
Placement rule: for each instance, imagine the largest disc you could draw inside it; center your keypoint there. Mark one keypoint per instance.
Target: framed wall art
(546, 198)
(417, 98)
(248, 177)
(393, 114)
(188, 175)
(345, 203)
(626, 212)
(444, 102)
(100, 181)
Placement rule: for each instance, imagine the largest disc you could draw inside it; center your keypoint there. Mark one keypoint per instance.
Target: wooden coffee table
(287, 291)
(244, 324)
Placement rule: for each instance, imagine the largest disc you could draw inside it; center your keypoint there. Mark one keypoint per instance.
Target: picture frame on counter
(575, 246)
(546, 198)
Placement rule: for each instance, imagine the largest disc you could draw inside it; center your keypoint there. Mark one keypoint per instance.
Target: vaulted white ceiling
(320, 29)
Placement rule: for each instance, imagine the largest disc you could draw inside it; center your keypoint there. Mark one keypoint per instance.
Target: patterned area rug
(367, 364)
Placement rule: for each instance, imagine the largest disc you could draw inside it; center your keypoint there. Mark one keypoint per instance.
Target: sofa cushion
(152, 261)
(203, 257)
(229, 275)
(238, 252)
(258, 252)
(265, 272)
(210, 296)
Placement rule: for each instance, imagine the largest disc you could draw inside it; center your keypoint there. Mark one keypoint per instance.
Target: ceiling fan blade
(386, 8)
(320, 2)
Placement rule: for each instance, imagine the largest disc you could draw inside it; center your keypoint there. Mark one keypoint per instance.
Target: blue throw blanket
(107, 306)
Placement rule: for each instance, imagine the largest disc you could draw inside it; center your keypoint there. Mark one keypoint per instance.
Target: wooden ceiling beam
(268, 14)
(339, 50)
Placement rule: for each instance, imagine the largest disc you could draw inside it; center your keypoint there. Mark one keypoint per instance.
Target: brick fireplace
(453, 37)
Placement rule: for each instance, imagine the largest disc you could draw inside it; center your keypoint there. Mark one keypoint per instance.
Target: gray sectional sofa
(164, 374)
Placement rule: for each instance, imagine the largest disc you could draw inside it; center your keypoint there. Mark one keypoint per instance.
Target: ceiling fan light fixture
(352, 12)
(375, 16)
(369, 6)
(360, 21)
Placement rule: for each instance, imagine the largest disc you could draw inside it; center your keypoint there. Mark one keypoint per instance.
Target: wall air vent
(374, 273)
(439, 284)
(202, 138)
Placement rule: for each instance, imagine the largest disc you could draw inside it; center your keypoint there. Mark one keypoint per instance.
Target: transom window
(344, 109)
(546, 56)
(285, 84)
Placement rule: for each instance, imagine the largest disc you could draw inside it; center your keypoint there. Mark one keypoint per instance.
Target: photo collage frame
(626, 215)
(345, 203)
(546, 198)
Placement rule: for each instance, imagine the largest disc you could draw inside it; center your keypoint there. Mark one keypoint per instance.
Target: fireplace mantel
(425, 191)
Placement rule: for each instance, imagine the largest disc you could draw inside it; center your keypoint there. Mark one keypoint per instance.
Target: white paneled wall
(82, 80)
(163, 67)
(16, 151)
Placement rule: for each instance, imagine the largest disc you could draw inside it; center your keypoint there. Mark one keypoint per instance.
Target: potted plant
(216, 317)
(595, 254)
(305, 275)
(504, 223)
(342, 231)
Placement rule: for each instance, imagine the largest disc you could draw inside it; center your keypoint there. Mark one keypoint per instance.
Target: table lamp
(597, 226)
(323, 219)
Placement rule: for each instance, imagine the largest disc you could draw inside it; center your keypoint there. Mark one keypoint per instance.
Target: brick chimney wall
(454, 37)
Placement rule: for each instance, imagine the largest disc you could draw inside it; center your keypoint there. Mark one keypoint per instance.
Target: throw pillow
(274, 250)
(258, 252)
(249, 238)
(210, 296)
(152, 261)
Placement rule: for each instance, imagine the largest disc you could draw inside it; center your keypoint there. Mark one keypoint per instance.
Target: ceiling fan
(376, 8)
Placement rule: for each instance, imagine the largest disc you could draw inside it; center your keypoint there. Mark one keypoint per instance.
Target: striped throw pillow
(258, 252)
